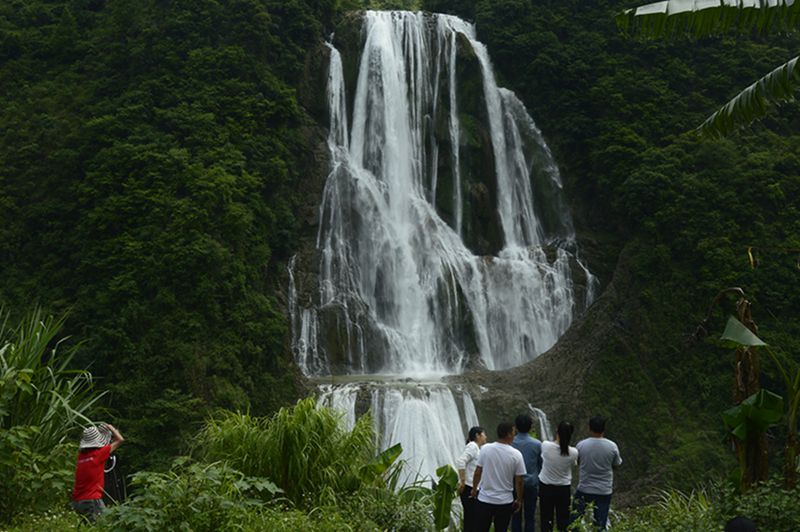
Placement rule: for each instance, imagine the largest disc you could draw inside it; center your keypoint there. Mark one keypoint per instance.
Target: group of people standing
(502, 482)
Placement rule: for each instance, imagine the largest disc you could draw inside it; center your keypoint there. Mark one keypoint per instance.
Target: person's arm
(520, 493)
(116, 438)
(617, 458)
(461, 466)
(476, 481)
(462, 475)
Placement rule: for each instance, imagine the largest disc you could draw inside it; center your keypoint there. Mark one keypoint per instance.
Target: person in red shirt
(97, 444)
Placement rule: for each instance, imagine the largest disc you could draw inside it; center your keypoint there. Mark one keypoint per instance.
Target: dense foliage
(149, 153)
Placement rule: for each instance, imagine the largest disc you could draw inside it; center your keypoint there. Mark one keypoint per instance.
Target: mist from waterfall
(399, 291)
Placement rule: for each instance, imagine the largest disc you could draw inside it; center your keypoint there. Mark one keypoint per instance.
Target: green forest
(159, 169)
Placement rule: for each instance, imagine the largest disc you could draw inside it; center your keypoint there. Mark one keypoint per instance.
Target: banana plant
(382, 463)
(700, 18)
(760, 410)
(748, 421)
(443, 495)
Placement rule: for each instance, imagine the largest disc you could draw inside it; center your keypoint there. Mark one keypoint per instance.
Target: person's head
(524, 422)
(477, 434)
(597, 424)
(564, 432)
(505, 430)
(94, 437)
(740, 524)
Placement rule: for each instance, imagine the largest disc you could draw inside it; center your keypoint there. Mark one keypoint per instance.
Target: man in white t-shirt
(597, 458)
(500, 471)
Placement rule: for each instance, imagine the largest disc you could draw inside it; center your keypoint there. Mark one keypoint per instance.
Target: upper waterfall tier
(444, 238)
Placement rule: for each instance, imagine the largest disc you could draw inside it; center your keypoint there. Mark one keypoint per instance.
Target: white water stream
(399, 290)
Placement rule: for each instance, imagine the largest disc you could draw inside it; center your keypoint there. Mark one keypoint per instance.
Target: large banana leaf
(381, 463)
(443, 496)
(780, 85)
(754, 415)
(708, 17)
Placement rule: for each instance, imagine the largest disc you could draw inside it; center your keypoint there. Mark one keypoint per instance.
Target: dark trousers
(89, 509)
(602, 505)
(528, 511)
(499, 514)
(554, 499)
(470, 506)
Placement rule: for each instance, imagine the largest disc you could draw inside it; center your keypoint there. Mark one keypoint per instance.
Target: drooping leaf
(752, 103)
(736, 332)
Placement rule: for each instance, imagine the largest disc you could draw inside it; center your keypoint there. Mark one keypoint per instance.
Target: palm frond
(752, 103)
(709, 17)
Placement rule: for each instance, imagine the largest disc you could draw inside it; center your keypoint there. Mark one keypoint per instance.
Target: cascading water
(416, 280)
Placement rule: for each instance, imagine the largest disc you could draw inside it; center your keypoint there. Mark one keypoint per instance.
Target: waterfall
(428, 418)
(415, 279)
(545, 431)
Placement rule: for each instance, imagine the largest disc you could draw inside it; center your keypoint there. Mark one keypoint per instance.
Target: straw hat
(95, 436)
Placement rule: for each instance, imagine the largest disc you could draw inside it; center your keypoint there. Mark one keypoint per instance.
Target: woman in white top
(466, 464)
(555, 478)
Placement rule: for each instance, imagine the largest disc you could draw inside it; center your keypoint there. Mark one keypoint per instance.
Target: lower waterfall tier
(429, 419)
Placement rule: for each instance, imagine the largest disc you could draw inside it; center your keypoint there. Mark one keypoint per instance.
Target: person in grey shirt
(597, 458)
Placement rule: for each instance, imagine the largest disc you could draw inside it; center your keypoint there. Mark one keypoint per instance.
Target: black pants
(470, 505)
(554, 499)
(487, 513)
(89, 509)
(602, 503)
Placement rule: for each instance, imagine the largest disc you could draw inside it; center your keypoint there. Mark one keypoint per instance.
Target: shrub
(32, 480)
(387, 510)
(769, 505)
(190, 496)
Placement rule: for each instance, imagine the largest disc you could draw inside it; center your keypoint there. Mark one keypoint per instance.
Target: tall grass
(38, 387)
(675, 510)
(42, 401)
(303, 449)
